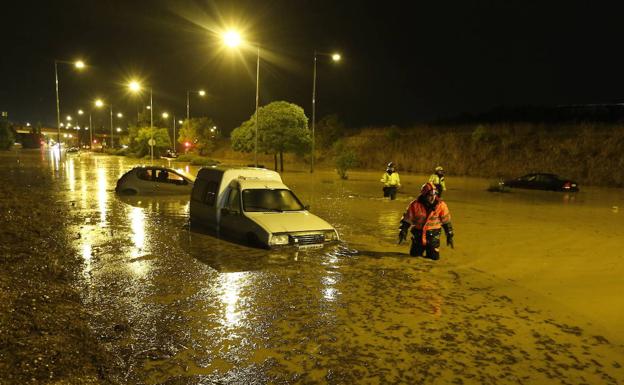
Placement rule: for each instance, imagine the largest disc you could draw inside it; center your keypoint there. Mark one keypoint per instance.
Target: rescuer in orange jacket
(425, 217)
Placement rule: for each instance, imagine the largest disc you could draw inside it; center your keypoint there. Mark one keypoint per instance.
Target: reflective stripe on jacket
(438, 181)
(391, 180)
(416, 215)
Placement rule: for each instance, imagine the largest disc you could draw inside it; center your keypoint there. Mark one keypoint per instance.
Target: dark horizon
(401, 65)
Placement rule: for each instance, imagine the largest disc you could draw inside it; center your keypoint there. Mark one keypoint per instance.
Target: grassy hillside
(588, 153)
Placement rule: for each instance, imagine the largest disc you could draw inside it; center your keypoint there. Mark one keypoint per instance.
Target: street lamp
(335, 57)
(201, 93)
(165, 115)
(135, 87)
(79, 65)
(99, 103)
(233, 39)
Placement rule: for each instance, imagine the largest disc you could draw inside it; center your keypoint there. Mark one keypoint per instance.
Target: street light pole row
(233, 39)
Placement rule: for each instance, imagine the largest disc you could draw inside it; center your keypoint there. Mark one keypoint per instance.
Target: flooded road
(530, 295)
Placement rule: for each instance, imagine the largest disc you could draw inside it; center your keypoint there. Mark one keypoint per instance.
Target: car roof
(252, 184)
(168, 169)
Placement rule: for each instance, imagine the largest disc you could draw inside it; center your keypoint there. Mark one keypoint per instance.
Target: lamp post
(78, 64)
(99, 103)
(233, 39)
(335, 57)
(201, 93)
(136, 87)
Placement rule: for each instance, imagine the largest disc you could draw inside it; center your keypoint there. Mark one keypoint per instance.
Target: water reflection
(230, 290)
(138, 266)
(71, 175)
(102, 194)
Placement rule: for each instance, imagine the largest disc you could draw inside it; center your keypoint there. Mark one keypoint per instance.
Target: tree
(201, 132)
(328, 130)
(283, 127)
(6, 135)
(345, 158)
(139, 136)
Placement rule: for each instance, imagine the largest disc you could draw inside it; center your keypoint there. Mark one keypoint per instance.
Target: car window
(144, 174)
(199, 191)
(233, 202)
(211, 193)
(176, 179)
(270, 200)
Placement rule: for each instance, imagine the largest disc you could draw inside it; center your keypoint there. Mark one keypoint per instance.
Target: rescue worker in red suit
(425, 217)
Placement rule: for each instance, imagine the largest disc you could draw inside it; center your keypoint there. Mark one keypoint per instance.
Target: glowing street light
(233, 39)
(69, 118)
(118, 129)
(201, 93)
(99, 103)
(165, 115)
(119, 115)
(80, 112)
(336, 58)
(78, 64)
(135, 87)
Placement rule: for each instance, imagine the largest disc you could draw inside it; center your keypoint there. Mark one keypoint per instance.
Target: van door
(233, 222)
(204, 203)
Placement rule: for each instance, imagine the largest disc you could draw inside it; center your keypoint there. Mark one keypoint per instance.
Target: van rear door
(204, 210)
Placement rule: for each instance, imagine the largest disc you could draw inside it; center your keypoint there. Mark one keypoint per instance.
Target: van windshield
(270, 200)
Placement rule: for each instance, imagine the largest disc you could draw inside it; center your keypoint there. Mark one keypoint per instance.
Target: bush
(6, 135)
(197, 160)
(345, 159)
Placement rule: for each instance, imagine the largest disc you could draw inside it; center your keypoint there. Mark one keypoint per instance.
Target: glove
(449, 240)
(448, 230)
(403, 231)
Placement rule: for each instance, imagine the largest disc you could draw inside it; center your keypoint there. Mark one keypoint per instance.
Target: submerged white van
(253, 205)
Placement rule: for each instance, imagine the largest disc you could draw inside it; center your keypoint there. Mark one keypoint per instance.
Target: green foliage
(393, 133)
(197, 160)
(139, 137)
(201, 133)
(283, 127)
(6, 135)
(345, 158)
(328, 130)
(482, 134)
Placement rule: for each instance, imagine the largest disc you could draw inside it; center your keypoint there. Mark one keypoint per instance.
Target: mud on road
(134, 296)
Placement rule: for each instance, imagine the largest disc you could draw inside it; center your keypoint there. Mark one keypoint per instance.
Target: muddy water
(530, 294)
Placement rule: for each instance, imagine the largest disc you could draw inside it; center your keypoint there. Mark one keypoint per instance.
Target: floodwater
(530, 294)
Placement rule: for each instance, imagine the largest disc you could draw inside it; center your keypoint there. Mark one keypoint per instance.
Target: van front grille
(307, 239)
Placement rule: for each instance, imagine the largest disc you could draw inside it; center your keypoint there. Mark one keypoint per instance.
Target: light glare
(336, 57)
(134, 86)
(231, 38)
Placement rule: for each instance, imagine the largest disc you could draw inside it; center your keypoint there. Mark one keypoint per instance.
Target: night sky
(403, 62)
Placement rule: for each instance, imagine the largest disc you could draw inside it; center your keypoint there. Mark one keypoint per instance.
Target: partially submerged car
(154, 180)
(541, 181)
(254, 206)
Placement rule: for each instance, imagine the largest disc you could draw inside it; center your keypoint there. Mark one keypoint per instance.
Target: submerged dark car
(542, 181)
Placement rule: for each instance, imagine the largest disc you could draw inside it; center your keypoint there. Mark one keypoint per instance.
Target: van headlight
(279, 239)
(331, 235)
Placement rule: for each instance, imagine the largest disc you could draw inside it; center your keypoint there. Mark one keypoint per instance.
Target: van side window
(199, 190)
(234, 200)
(211, 193)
